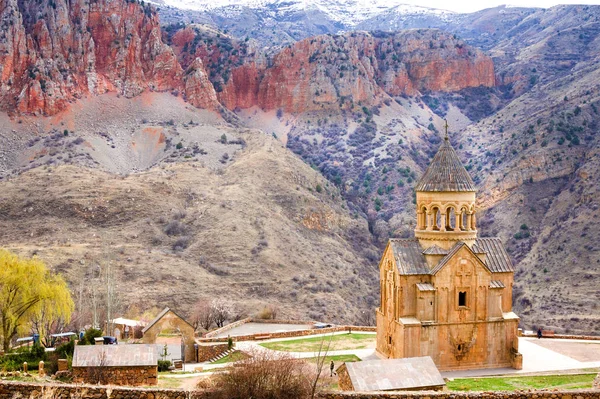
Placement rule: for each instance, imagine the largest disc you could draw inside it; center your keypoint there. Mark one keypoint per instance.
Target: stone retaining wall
(130, 375)
(207, 352)
(290, 334)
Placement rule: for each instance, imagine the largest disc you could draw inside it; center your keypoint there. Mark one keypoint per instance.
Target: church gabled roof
(496, 258)
(410, 256)
(446, 172)
(451, 254)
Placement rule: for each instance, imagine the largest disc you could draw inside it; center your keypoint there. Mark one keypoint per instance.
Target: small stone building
(410, 374)
(169, 321)
(446, 293)
(134, 365)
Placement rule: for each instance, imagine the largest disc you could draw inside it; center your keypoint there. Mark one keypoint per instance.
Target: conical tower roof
(446, 172)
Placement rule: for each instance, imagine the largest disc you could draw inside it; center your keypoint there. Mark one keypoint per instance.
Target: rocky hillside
(228, 213)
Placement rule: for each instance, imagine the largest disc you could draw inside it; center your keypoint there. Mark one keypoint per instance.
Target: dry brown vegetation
(253, 232)
(265, 375)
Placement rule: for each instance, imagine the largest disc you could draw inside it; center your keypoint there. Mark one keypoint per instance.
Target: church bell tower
(446, 202)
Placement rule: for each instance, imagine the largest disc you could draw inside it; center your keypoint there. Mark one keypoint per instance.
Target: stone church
(446, 293)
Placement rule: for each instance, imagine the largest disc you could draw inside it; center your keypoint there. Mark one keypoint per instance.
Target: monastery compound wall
(14, 390)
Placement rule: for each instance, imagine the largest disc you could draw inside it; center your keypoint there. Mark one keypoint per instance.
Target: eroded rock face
(198, 90)
(335, 71)
(54, 52)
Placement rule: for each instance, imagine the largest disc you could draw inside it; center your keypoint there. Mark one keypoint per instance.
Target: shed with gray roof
(413, 373)
(116, 364)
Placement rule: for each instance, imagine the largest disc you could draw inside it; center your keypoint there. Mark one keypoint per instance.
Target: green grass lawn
(565, 381)
(338, 342)
(232, 357)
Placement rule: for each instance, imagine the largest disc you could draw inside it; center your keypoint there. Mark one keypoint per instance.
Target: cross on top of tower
(446, 127)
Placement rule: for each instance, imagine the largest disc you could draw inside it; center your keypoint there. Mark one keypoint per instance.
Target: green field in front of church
(324, 343)
(564, 381)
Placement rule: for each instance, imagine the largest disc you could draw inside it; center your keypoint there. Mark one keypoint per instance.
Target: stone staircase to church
(221, 356)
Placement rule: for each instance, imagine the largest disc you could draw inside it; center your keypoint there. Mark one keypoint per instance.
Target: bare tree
(94, 295)
(111, 295)
(222, 311)
(98, 373)
(366, 318)
(45, 323)
(203, 314)
(320, 357)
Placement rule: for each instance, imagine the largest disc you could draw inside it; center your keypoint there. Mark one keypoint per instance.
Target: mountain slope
(262, 228)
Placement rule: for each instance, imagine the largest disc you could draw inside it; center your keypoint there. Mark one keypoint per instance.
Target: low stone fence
(565, 336)
(227, 328)
(14, 390)
(280, 321)
(529, 394)
(291, 334)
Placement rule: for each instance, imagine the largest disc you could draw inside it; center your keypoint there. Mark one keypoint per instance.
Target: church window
(462, 298)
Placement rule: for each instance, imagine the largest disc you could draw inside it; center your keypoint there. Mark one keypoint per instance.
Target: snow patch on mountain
(347, 12)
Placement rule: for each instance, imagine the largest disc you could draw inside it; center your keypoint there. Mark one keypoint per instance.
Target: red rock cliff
(327, 71)
(54, 52)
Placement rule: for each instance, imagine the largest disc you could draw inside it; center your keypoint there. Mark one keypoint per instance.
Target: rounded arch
(463, 219)
(436, 215)
(450, 205)
(422, 217)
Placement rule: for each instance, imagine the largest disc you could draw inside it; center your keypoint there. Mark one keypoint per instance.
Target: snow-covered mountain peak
(347, 12)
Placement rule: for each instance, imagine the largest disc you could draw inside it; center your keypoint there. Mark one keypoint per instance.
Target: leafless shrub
(181, 243)
(98, 374)
(266, 375)
(268, 312)
(179, 215)
(174, 228)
